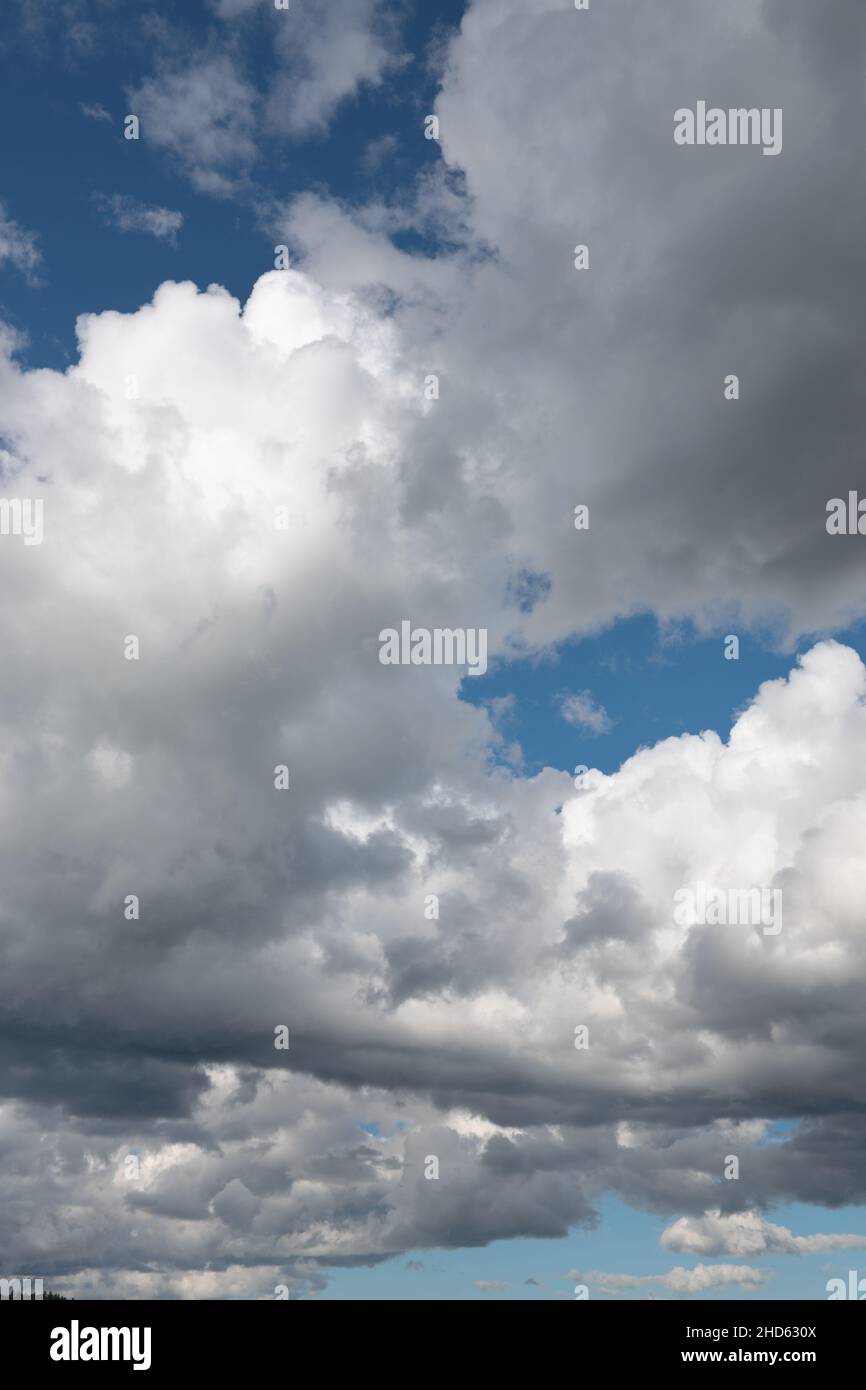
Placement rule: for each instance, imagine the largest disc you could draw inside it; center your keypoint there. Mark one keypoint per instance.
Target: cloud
(129, 215)
(679, 1280)
(703, 1277)
(585, 712)
(673, 301)
(78, 26)
(18, 247)
(491, 1286)
(96, 112)
(305, 908)
(325, 57)
(203, 114)
(216, 124)
(748, 1234)
(379, 152)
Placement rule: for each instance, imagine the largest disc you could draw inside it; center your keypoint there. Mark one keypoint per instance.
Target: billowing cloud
(245, 467)
(605, 387)
(238, 499)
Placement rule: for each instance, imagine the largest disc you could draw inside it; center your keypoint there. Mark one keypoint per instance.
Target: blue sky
(624, 1239)
(55, 159)
(637, 680)
(653, 683)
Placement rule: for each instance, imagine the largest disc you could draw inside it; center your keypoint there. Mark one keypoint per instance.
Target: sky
(297, 943)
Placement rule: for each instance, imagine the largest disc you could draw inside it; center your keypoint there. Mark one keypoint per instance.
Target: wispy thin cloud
(679, 1280)
(129, 215)
(96, 112)
(18, 247)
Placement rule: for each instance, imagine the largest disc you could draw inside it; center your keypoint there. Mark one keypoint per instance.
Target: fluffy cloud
(165, 457)
(584, 711)
(306, 908)
(203, 114)
(605, 387)
(747, 1234)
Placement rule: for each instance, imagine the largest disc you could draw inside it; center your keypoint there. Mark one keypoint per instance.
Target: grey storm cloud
(154, 1036)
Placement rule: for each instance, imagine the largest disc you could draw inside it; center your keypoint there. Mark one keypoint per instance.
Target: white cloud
(703, 1277)
(129, 215)
(216, 124)
(259, 647)
(95, 112)
(18, 247)
(584, 711)
(679, 1280)
(326, 56)
(160, 522)
(204, 115)
(748, 1234)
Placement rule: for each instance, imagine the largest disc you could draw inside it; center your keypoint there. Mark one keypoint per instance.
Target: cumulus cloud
(748, 1234)
(272, 494)
(605, 387)
(305, 908)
